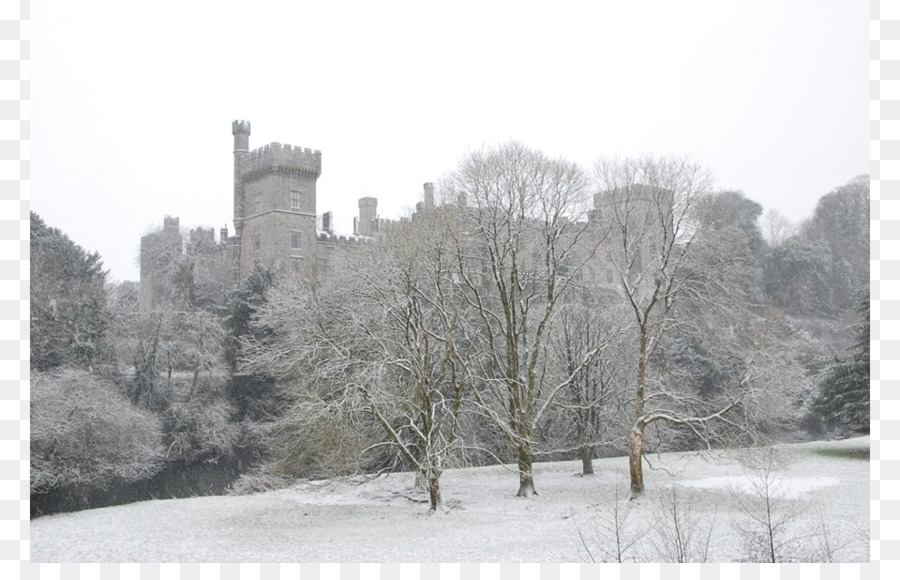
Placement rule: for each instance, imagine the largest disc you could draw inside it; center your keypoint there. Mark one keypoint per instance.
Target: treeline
(124, 400)
(539, 312)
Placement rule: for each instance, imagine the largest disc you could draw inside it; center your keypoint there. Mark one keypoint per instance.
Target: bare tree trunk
(587, 460)
(190, 396)
(525, 459)
(636, 436)
(635, 458)
(434, 492)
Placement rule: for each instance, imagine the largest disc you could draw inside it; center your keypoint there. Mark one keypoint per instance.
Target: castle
(276, 227)
(275, 222)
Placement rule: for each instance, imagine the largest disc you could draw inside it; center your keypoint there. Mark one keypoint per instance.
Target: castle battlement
(200, 236)
(278, 158)
(240, 127)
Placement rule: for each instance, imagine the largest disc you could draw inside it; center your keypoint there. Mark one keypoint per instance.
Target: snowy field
(820, 498)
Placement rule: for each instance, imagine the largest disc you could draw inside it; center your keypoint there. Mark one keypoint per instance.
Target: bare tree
(591, 407)
(767, 531)
(683, 534)
(521, 241)
(378, 332)
(608, 531)
(650, 207)
(777, 229)
(415, 263)
(826, 542)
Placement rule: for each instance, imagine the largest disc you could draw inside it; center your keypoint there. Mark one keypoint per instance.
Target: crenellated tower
(274, 204)
(160, 250)
(367, 225)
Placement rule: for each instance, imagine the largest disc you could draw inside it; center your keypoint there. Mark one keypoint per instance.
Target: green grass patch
(844, 452)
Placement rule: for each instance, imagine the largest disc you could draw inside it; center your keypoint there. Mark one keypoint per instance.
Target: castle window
(257, 242)
(256, 203)
(296, 240)
(296, 198)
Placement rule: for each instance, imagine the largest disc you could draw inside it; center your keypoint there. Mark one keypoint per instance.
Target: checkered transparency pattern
(885, 291)
(14, 168)
(14, 347)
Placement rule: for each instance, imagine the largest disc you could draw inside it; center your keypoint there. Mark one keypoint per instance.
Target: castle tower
(171, 226)
(368, 214)
(160, 250)
(275, 204)
(428, 195)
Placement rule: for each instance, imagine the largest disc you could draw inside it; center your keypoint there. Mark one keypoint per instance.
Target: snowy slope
(384, 520)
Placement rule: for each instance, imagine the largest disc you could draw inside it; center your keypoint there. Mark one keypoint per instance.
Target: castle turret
(241, 132)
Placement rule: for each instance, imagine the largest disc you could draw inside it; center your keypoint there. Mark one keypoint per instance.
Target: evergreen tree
(69, 316)
(844, 391)
(253, 394)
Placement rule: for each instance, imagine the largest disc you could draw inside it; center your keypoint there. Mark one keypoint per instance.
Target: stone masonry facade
(276, 225)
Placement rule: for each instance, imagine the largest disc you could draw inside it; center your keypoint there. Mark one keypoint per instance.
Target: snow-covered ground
(820, 491)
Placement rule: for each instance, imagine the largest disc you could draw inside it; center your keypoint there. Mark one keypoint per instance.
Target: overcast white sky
(132, 103)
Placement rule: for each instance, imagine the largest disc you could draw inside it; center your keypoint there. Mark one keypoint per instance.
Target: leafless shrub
(618, 539)
(682, 533)
(605, 531)
(767, 528)
(861, 534)
(826, 545)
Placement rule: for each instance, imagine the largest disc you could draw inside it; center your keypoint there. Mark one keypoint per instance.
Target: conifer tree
(844, 391)
(69, 317)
